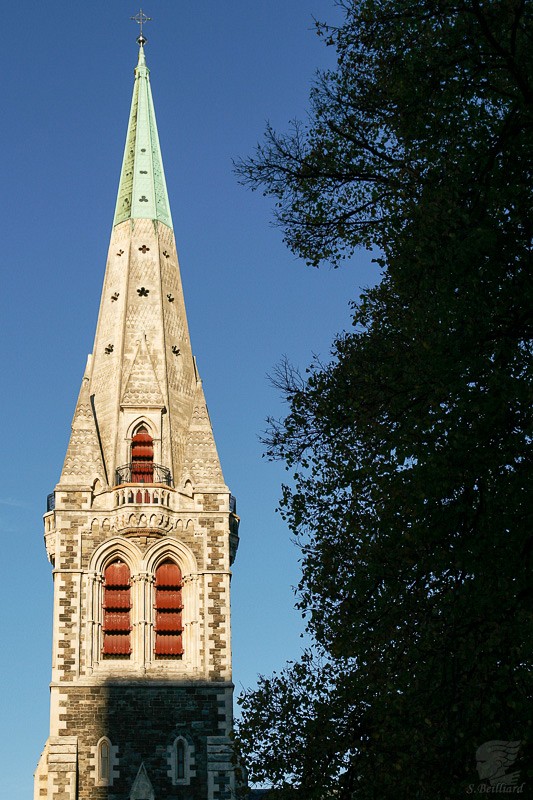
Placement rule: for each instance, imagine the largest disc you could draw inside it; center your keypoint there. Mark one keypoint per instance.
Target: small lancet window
(168, 610)
(104, 761)
(117, 605)
(180, 760)
(142, 456)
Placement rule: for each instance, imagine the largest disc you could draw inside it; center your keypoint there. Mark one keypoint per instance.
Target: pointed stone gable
(201, 461)
(83, 462)
(142, 788)
(142, 386)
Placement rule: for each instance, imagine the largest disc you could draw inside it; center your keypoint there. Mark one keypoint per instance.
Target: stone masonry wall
(141, 723)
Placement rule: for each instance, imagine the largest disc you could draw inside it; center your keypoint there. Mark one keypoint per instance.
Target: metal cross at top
(140, 19)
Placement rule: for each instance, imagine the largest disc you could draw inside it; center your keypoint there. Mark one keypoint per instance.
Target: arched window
(104, 755)
(117, 605)
(142, 457)
(180, 758)
(105, 763)
(168, 608)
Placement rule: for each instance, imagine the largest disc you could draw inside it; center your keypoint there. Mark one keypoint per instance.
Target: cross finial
(140, 19)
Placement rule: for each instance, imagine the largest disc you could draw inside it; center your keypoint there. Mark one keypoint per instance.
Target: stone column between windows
(191, 627)
(142, 617)
(94, 619)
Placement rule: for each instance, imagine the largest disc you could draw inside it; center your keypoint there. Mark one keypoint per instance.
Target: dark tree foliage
(410, 451)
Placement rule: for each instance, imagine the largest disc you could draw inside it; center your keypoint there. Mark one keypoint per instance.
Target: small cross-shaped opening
(115, 296)
(120, 253)
(176, 350)
(144, 249)
(109, 349)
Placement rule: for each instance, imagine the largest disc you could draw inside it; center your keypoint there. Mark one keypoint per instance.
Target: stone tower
(141, 531)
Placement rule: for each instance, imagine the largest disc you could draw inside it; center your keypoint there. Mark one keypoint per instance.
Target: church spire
(142, 370)
(142, 192)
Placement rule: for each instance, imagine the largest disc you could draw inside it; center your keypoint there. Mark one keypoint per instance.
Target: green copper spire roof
(142, 192)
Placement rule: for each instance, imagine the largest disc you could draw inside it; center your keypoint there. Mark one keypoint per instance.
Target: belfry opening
(142, 456)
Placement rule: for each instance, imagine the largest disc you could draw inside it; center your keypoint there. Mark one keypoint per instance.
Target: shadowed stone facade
(137, 722)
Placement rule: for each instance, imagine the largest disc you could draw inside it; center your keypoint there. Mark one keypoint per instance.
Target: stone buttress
(141, 531)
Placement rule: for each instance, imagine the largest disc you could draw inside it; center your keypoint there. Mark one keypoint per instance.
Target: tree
(411, 449)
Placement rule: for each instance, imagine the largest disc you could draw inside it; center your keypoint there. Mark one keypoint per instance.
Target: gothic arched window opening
(103, 761)
(117, 606)
(142, 456)
(168, 610)
(180, 760)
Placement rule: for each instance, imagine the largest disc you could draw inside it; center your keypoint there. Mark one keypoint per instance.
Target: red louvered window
(142, 457)
(168, 609)
(117, 605)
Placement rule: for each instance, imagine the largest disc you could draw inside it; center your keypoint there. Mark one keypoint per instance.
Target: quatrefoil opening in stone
(144, 249)
(120, 253)
(109, 349)
(115, 296)
(170, 298)
(176, 350)
(142, 292)
(166, 254)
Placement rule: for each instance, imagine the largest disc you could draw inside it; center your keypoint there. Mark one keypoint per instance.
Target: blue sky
(219, 71)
